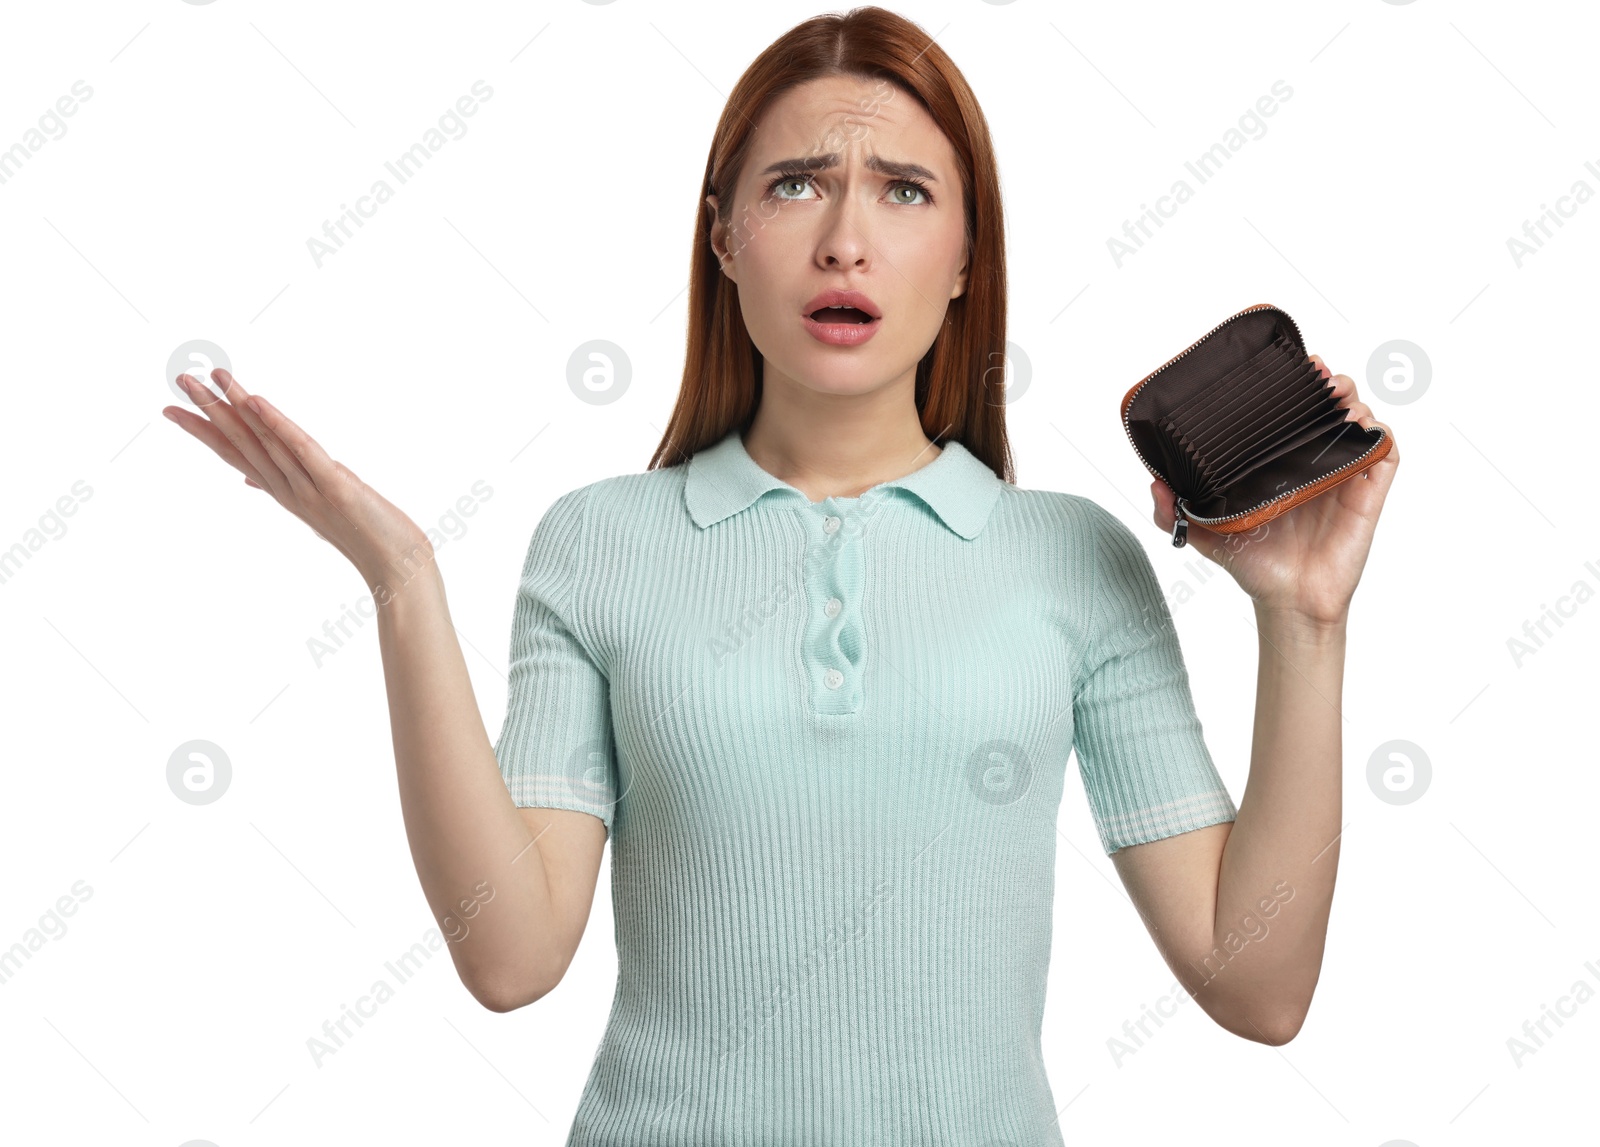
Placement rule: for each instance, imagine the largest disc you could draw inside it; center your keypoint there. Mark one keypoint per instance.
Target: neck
(837, 446)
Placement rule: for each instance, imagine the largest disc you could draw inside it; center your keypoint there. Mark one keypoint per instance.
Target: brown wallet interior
(1242, 417)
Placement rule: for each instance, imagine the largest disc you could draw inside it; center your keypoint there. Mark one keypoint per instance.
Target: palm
(279, 458)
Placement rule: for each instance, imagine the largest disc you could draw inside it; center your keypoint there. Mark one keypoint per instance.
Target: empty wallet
(1242, 425)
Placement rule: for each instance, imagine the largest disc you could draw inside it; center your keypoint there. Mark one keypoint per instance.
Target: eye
(788, 177)
(803, 179)
(914, 186)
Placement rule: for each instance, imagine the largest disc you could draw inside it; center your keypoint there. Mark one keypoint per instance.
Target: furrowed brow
(872, 162)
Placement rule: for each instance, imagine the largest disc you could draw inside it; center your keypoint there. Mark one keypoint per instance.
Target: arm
(511, 889)
(1240, 911)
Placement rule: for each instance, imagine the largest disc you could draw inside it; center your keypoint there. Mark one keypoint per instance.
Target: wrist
(1287, 623)
(400, 585)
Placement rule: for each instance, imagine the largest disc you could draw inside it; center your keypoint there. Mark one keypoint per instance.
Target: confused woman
(817, 672)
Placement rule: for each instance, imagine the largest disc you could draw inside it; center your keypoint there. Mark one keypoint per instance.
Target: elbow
(1273, 1028)
(528, 983)
(508, 997)
(505, 988)
(1279, 1030)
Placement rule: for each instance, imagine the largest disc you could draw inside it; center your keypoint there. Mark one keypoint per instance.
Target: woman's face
(824, 202)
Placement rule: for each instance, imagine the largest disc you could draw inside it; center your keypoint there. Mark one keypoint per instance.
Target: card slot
(1231, 389)
(1252, 408)
(1198, 406)
(1330, 426)
(1168, 456)
(1226, 469)
(1194, 467)
(1167, 448)
(1323, 425)
(1297, 403)
(1185, 475)
(1326, 409)
(1248, 395)
(1176, 464)
(1193, 408)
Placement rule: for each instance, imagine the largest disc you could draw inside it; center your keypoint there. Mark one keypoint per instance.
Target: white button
(830, 524)
(833, 678)
(833, 607)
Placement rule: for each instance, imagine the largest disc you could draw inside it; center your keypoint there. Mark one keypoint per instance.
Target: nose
(843, 242)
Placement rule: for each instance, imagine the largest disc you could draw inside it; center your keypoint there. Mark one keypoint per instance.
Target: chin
(839, 371)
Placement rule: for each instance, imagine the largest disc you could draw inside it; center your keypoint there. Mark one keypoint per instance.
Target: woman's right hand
(278, 457)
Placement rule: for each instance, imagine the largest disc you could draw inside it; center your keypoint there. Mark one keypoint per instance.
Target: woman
(818, 671)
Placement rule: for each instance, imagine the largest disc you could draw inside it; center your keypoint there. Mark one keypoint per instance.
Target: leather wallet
(1242, 425)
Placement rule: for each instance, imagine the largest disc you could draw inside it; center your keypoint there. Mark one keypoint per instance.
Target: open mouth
(841, 315)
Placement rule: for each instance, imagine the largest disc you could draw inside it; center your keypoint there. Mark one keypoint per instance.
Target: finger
(1381, 473)
(1359, 413)
(236, 394)
(329, 479)
(244, 440)
(306, 454)
(266, 421)
(1165, 511)
(1391, 459)
(205, 430)
(1342, 386)
(293, 471)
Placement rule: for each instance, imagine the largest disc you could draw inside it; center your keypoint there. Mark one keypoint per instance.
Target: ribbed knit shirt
(828, 742)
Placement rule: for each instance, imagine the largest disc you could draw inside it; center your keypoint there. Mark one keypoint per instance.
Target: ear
(718, 240)
(961, 281)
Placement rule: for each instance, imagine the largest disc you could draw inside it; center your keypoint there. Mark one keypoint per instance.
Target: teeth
(841, 307)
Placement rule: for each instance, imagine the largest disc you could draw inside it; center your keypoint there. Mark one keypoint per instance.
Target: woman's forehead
(836, 98)
(834, 116)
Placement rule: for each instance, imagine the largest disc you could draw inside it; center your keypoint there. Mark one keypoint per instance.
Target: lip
(842, 334)
(838, 298)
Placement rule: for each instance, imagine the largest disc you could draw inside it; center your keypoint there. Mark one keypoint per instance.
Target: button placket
(833, 643)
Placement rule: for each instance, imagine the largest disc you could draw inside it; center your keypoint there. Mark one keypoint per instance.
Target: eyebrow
(873, 163)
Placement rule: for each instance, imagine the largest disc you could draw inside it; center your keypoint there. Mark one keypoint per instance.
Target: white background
(431, 353)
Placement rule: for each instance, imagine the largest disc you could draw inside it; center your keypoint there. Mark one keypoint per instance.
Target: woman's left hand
(1305, 562)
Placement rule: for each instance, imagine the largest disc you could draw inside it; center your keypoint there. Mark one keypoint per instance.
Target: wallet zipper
(1181, 517)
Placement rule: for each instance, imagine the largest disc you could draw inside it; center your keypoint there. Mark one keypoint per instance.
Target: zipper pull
(1180, 526)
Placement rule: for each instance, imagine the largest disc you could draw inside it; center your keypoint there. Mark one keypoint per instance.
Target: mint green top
(829, 741)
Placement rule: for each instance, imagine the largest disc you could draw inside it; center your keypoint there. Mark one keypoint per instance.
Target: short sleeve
(555, 747)
(1141, 753)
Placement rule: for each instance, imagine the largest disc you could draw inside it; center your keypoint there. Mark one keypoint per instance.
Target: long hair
(960, 381)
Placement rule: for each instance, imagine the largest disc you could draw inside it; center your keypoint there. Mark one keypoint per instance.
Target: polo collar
(723, 479)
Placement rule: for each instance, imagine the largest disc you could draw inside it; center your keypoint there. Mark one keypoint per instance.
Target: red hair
(960, 382)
